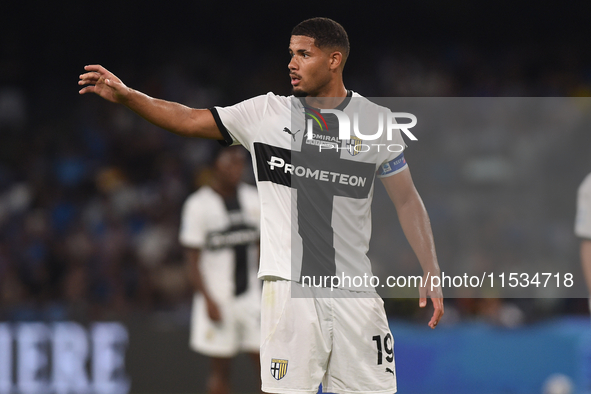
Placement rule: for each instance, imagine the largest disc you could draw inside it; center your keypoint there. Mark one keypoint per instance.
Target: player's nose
(292, 65)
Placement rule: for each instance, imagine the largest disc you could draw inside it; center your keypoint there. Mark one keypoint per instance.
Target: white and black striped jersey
(315, 190)
(227, 233)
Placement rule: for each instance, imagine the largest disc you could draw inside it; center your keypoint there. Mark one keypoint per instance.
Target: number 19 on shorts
(388, 347)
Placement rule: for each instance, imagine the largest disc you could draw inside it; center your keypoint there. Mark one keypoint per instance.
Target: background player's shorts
(239, 330)
(345, 343)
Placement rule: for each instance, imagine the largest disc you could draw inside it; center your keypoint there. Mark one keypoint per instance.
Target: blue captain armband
(392, 167)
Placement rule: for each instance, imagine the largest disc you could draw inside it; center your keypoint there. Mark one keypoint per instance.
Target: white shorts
(345, 343)
(239, 330)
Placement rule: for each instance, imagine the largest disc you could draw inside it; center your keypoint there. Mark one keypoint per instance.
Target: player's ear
(336, 59)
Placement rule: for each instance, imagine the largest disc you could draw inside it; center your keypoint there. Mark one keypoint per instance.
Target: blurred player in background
(344, 341)
(583, 228)
(220, 231)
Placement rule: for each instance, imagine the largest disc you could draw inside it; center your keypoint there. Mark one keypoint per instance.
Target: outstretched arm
(417, 228)
(174, 117)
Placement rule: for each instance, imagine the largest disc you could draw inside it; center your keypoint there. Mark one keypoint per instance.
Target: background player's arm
(174, 117)
(196, 280)
(586, 262)
(417, 229)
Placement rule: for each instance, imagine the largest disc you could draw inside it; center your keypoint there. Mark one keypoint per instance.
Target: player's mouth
(295, 79)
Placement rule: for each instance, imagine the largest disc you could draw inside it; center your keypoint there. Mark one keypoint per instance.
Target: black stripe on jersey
(240, 251)
(305, 168)
(318, 178)
(232, 237)
(263, 154)
(228, 140)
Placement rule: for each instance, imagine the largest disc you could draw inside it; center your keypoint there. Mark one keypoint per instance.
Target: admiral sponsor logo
(328, 138)
(326, 176)
(317, 117)
(322, 141)
(322, 144)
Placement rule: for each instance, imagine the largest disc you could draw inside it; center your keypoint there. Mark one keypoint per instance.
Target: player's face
(230, 166)
(309, 68)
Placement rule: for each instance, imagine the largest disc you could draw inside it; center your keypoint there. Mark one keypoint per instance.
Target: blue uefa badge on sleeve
(392, 166)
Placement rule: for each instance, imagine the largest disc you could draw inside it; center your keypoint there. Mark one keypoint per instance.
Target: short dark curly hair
(325, 32)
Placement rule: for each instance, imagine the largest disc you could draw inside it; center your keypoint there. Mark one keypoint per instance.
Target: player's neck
(329, 97)
(224, 190)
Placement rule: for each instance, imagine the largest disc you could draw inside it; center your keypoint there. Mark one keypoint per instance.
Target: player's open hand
(99, 80)
(436, 295)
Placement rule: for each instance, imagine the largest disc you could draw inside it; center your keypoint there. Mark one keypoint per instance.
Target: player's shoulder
(265, 103)
(249, 190)
(247, 187)
(199, 196)
(261, 100)
(276, 99)
(362, 103)
(271, 98)
(354, 94)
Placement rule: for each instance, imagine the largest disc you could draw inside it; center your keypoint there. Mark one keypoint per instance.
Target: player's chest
(310, 136)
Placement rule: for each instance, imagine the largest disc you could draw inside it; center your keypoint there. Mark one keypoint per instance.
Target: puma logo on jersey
(389, 370)
(288, 131)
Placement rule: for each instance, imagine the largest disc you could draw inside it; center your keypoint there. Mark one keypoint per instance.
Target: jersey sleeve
(392, 160)
(239, 123)
(583, 220)
(394, 166)
(192, 230)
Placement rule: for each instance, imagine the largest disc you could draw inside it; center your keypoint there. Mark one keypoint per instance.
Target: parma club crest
(354, 145)
(278, 368)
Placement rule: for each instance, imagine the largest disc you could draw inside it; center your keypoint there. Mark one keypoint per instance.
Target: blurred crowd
(91, 195)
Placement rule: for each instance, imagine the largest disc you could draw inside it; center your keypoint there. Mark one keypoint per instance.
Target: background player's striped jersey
(227, 235)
